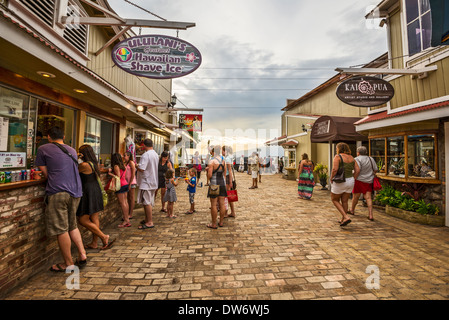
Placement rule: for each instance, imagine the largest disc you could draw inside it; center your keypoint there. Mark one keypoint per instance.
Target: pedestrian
(242, 164)
(364, 182)
(340, 192)
(260, 167)
(306, 180)
(227, 153)
(59, 165)
(91, 203)
(191, 188)
(281, 165)
(163, 165)
(147, 180)
(254, 166)
(119, 170)
(208, 158)
(170, 196)
(196, 160)
(217, 188)
(130, 177)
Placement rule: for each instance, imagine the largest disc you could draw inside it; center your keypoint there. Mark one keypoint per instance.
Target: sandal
(126, 225)
(144, 226)
(81, 263)
(108, 246)
(345, 223)
(89, 246)
(58, 268)
(211, 227)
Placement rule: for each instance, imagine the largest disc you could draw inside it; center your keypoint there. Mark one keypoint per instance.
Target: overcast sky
(259, 53)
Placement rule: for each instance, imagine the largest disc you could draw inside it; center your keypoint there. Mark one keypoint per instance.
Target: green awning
(440, 22)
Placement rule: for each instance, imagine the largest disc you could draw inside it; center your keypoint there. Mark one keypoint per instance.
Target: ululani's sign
(156, 56)
(365, 91)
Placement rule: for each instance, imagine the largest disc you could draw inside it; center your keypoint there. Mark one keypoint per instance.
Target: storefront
(46, 81)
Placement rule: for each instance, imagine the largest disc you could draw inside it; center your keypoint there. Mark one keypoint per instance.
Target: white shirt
(148, 179)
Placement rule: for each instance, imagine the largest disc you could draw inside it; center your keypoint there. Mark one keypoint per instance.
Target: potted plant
(322, 171)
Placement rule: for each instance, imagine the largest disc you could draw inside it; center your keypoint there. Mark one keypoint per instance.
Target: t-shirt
(228, 160)
(63, 174)
(190, 188)
(148, 179)
(366, 165)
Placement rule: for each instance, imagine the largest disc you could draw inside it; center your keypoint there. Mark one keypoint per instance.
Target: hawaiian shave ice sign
(156, 56)
(365, 91)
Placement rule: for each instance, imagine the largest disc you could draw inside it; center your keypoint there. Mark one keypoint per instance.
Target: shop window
(409, 157)
(419, 25)
(378, 153)
(51, 115)
(396, 156)
(421, 156)
(99, 134)
(15, 140)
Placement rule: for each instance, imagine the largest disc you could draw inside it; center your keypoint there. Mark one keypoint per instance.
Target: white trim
(297, 135)
(301, 117)
(419, 104)
(414, 117)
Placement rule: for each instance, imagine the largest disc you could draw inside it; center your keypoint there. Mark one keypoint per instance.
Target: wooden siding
(129, 84)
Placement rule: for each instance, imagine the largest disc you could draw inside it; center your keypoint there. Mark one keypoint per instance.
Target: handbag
(233, 196)
(103, 192)
(113, 185)
(376, 181)
(214, 190)
(340, 175)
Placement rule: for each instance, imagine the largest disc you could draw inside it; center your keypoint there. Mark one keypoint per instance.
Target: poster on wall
(11, 107)
(191, 122)
(12, 160)
(4, 130)
(156, 56)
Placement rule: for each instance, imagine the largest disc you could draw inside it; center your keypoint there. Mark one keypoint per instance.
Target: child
(192, 189)
(170, 195)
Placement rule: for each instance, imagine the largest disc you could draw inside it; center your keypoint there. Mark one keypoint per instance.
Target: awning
(328, 128)
(290, 143)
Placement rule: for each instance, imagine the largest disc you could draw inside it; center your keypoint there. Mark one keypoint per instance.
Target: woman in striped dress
(306, 180)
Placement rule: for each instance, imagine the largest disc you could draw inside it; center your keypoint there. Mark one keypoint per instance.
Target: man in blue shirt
(58, 163)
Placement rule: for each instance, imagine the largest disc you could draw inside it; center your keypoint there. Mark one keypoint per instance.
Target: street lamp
(142, 109)
(173, 101)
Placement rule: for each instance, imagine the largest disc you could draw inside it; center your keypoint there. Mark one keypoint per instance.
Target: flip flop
(210, 226)
(80, 263)
(88, 246)
(126, 225)
(144, 226)
(345, 223)
(108, 246)
(59, 268)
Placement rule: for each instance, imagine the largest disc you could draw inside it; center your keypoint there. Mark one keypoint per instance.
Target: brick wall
(25, 250)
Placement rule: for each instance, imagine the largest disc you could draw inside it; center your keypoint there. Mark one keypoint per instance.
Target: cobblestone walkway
(278, 247)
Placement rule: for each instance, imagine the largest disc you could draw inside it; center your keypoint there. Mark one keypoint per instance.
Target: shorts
(60, 213)
(344, 187)
(254, 174)
(362, 187)
(191, 198)
(123, 189)
(222, 193)
(146, 197)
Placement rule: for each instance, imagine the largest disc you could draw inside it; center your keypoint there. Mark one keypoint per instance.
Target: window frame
(407, 177)
(407, 56)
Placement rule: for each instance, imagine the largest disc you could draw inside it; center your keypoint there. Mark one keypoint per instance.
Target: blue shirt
(63, 174)
(190, 188)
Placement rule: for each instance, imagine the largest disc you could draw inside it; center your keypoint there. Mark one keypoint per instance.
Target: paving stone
(278, 247)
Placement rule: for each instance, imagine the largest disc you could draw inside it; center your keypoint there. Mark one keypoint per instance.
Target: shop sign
(191, 122)
(12, 160)
(156, 56)
(365, 91)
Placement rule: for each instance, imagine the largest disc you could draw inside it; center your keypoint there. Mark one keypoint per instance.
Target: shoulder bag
(376, 182)
(103, 192)
(340, 175)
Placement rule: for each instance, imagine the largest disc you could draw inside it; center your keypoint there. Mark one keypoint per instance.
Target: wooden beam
(102, 9)
(130, 23)
(111, 41)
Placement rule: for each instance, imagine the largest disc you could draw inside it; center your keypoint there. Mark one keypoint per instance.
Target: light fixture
(142, 109)
(46, 74)
(79, 91)
(173, 101)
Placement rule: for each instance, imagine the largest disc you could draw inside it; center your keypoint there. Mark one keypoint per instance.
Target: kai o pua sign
(156, 56)
(365, 91)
